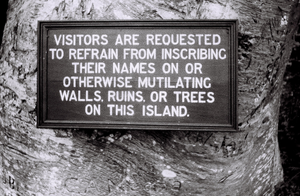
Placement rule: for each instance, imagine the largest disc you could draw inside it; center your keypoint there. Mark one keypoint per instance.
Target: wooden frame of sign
(165, 75)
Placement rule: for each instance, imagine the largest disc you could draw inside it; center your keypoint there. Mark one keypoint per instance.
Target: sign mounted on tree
(137, 75)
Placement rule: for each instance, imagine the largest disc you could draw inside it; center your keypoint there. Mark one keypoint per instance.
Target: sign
(168, 75)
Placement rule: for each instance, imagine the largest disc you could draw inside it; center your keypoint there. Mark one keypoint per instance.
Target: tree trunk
(113, 162)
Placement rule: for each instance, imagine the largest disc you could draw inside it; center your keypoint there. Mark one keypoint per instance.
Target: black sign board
(169, 75)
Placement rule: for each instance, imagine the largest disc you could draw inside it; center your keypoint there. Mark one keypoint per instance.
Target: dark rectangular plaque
(137, 74)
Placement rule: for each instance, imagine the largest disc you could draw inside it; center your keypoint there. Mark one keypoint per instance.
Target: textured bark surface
(113, 162)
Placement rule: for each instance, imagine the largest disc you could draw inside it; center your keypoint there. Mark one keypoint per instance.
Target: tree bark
(113, 162)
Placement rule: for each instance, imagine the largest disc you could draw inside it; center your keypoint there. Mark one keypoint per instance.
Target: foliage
(289, 126)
